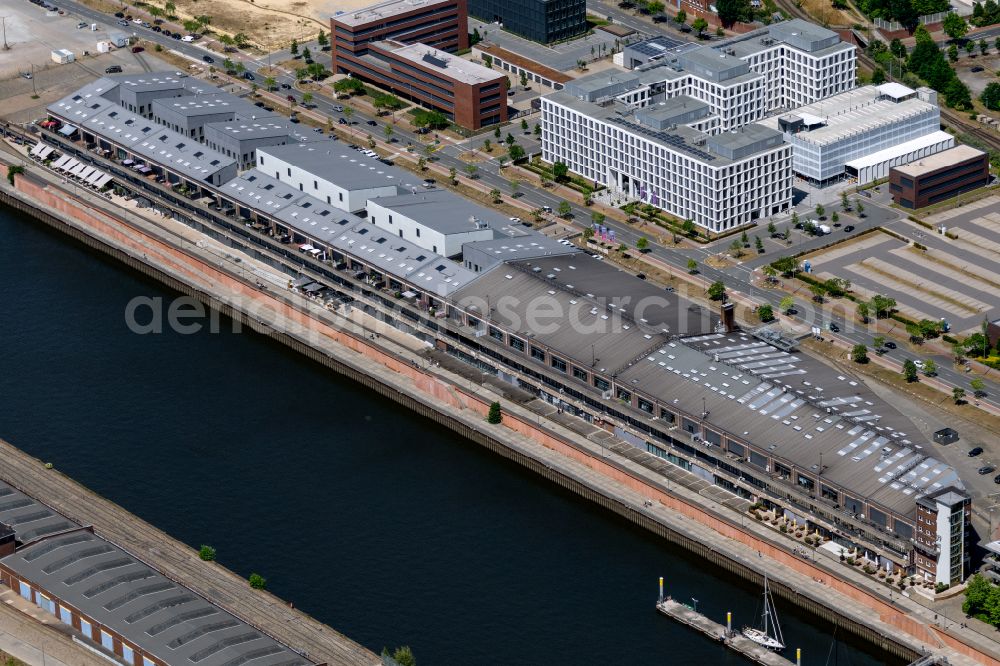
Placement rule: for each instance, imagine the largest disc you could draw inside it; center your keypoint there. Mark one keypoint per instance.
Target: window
(66, 615)
(128, 654)
(579, 374)
(146, 661)
(645, 405)
(601, 384)
(289, 171)
(47, 604)
(828, 492)
(624, 395)
(537, 354)
(25, 590)
(86, 629)
(496, 333)
(390, 219)
(107, 641)
(669, 417)
(805, 482)
(418, 232)
(559, 364)
(713, 437)
(517, 344)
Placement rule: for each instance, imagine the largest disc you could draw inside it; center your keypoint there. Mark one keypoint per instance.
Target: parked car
(207, 58)
(137, 49)
(156, 28)
(975, 452)
(114, 69)
(176, 35)
(834, 328)
(987, 469)
(372, 123)
(338, 108)
(81, 24)
(119, 14)
(341, 121)
(285, 86)
(977, 68)
(187, 38)
(849, 228)
(996, 479)
(515, 220)
(123, 22)
(318, 130)
(157, 21)
(249, 76)
(889, 344)
(290, 98)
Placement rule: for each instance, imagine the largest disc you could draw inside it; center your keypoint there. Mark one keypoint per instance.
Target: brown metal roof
(525, 63)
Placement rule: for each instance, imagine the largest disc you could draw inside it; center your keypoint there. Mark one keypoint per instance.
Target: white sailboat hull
(759, 637)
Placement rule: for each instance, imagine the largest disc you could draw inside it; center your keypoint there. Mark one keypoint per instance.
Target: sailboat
(769, 634)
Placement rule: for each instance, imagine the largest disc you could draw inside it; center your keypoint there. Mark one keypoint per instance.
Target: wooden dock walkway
(716, 631)
(180, 562)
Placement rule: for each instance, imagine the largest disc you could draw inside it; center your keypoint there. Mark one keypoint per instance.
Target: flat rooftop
(385, 10)
(945, 158)
(681, 139)
(446, 64)
(146, 138)
(541, 69)
(210, 104)
(800, 410)
(442, 211)
(256, 189)
(338, 164)
(587, 311)
(512, 243)
(152, 612)
(29, 518)
(852, 112)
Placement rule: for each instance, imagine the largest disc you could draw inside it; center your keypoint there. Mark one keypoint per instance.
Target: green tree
(515, 185)
(422, 163)
(524, 84)
(388, 131)
(977, 591)
(954, 26)
(953, 53)
(785, 265)
(759, 244)
(687, 226)
(863, 313)
(771, 229)
(978, 387)
(681, 17)
(795, 218)
(910, 371)
(898, 49)
(322, 39)
(537, 131)
(882, 306)
(769, 273)
(515, 152)
(294, 48)
(488, 146)
(820, 211)
(991, 96)
(958, 395)
(736, 248)
(699, 26)
(878, 76)
(12, 171)
(984, 48)
(257, 581)
(560, 171)
(471, 170)
(270, 82)
(692, 266)
(451, 174)
(970, 47)
(845, 203)
(306, 54)
(786, 304)
(878, 341)
(404, 655)
(207, 553)
(859, 353)
(765, 312)
(494, 416)
(732, 11)
(930, 368)
(716, 290)
(307, 98)
(835, 217)
(496, 133)
(564, 209)
(588, 233)
(170, 7)
(642, 244)
(860, 207)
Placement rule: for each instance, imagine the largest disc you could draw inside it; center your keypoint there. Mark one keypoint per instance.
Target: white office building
(859, 135)
(333, 173)
(719, 181)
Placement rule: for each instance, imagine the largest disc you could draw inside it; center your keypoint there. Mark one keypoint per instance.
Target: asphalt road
(737, 279)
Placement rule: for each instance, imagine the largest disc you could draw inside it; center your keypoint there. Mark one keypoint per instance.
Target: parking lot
(33, 33)
(956, 279)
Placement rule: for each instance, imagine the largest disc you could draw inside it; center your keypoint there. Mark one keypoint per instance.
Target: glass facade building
(542, 21)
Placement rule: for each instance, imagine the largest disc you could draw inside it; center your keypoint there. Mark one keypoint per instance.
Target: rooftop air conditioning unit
(606, 395)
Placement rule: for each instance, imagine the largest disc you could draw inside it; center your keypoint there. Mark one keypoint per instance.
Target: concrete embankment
(556, 453)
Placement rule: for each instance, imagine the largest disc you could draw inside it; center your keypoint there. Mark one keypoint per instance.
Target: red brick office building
(469, 94)
(939, 177)
(404, 46)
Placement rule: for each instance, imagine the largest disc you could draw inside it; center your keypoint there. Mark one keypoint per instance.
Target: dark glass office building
(542, 21)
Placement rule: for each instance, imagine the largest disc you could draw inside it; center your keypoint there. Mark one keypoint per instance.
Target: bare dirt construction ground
(270, 24)
(825, 13)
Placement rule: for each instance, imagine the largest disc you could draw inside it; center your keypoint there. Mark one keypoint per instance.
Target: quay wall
(163, 262)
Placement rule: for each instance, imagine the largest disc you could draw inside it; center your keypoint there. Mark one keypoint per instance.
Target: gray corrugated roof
(340, 165)
(29, 518)
(152, 612)
(208, 104)
(442, 211)
(256, 189)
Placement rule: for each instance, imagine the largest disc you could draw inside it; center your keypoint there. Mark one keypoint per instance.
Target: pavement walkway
(36, 640)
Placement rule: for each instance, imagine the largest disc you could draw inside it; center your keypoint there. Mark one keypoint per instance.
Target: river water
(377, 522)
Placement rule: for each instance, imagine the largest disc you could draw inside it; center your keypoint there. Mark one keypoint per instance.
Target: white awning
(102, 181)
(86, 173)
(70, 165)
(94, 177)
(306, 247)
(900, 150)
(67, 130)
(41, 150)
(58, 164)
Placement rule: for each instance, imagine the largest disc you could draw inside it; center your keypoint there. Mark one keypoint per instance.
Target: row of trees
(986, 13)
(929, 63)
(906, 12)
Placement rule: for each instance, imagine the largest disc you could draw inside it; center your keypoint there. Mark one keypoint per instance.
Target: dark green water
(380, 523)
